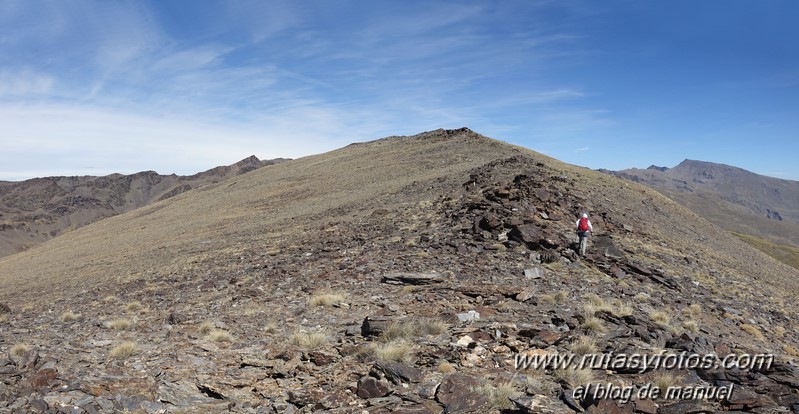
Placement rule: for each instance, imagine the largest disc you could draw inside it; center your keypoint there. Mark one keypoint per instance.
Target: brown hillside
(734, 199)
(36, 210)
(342, 282)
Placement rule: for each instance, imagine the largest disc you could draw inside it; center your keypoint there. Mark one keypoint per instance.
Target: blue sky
(96, 87)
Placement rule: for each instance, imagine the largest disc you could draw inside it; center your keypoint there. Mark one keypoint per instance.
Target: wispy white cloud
(582, 149)
(24, 83)
(123, 92)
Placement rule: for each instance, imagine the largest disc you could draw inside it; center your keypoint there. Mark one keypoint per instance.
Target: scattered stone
(375, 325)
(183, 394)
(44, 378)
(464, 341)
(610, 407)
(469, 316)
(535, 272)
(369, 387)
(398, 373)
(332, 400)
(457, 394)
(540, 404)
(413, 278)
(686, 407)
(645, 406)
(526, 294)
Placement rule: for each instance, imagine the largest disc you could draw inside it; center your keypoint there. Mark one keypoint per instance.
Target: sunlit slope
(276, 204)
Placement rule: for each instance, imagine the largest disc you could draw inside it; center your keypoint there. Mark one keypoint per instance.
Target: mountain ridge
(738, 200)
(400, 274)
(36, 210)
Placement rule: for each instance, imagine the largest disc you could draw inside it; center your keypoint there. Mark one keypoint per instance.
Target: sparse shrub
(110, 298)
(431, 326)
(19, 350)
(407, 289)
(693, 311)
(118, 324)
(593, 324)
(219, 335)
(134, 306)
(789, 350)
(641, 296)
(620, 308)
(327, 299)
(306, 340)
(548, 299)
(583, 345)
(665, 380)
(779, 331)
(398, 330)
(252, 310)
(411, 328)
(575, 377)
(660, 317)
(69, 316)
(206, 327)
(445, 367)
(595, 300)
(691, 326)
(399, 351)
(124, 350)
(499, 394)
(270, 328)
(752, 330)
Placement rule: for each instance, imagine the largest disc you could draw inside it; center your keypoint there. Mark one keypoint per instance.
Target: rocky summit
(409, 274)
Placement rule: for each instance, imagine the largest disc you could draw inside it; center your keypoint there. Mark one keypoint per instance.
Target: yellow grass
(309, 340)
(124, 350)
(118, 324)
(327, 299)
(19, 349)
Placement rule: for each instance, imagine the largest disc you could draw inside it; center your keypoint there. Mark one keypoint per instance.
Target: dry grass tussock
(206, 327)
(398, 351)
(593, 324)
(445, 367)
(575, 377)
(309, 340)
(124, 350)
(583, 345)
(753, 330)
(69, 316)
(134, 306)
(498, 395)
(119, 324)
(327, 299)
(665, 380)
(19, 349)
(554, 298)
(412, 328)
(219, 335)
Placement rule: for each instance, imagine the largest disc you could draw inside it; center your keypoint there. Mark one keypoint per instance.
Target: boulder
(370, 387)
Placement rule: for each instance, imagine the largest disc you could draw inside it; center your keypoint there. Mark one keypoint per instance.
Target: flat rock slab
(413, 278)
(540, 404)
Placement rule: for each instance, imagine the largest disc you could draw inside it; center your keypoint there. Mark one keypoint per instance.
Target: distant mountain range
(36, 210)
(733, 198)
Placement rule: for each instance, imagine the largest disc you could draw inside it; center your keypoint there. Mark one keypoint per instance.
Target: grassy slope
(784, 253)
(274, 205)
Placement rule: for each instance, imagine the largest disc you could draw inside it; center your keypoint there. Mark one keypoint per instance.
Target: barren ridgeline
(408, 274)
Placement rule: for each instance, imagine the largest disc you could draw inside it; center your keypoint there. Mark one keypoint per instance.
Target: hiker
(584, 229)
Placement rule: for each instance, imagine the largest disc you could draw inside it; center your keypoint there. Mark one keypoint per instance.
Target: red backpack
(583, 226)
